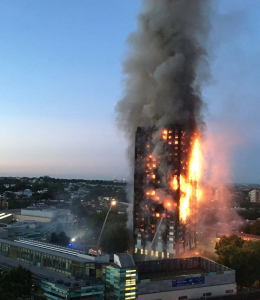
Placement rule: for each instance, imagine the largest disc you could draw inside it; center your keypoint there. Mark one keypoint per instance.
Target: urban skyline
(61, 79)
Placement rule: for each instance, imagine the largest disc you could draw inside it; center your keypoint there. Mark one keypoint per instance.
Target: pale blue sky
(60, 78)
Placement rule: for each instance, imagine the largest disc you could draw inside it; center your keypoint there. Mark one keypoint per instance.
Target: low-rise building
(184, 278)
(50, 285)
(48, 256)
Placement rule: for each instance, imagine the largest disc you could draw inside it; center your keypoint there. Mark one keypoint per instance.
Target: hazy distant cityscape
(70, 214)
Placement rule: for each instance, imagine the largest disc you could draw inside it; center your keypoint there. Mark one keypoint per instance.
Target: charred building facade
(165, 192)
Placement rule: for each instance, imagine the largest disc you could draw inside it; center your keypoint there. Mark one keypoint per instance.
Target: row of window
(45, 260)
(153, 253)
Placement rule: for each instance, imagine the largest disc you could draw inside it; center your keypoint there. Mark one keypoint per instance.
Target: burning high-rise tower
(162, 112)
(165, 191)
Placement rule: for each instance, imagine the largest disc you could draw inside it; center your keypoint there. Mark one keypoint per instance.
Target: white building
(254, 196)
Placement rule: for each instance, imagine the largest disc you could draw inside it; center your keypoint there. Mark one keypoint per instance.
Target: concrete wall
(27, 218)
(166, 285)
(190, 293)
(39, 213)
(99, 259)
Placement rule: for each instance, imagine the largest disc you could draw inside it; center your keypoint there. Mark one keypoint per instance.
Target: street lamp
(113, 203)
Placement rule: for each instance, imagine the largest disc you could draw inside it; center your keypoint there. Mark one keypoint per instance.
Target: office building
(120, 278)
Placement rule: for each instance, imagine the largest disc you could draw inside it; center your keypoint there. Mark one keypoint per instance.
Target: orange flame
(165, 133)
(175, 183)
(194, 163)
(189, 185)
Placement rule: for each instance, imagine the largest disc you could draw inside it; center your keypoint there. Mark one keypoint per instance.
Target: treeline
(99, 190)
(250, 214)
(60, 239)
(15, 284)
(253, 228)
(242, 256)
(115, 237)
(48, 179)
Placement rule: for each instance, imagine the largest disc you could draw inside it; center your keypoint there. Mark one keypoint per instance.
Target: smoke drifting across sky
(166, 66)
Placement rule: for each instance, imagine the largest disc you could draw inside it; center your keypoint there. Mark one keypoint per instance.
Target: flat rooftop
(47, 274)
(170, 268)
(48, 248)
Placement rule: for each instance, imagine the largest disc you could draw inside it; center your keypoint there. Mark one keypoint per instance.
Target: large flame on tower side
(189, 185)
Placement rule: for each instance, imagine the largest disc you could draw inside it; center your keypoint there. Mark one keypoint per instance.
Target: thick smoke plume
(164, 71)
(166, 66)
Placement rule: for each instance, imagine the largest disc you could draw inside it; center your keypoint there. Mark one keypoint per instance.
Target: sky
(61, 77)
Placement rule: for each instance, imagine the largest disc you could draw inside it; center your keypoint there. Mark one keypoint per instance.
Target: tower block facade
(165, 192)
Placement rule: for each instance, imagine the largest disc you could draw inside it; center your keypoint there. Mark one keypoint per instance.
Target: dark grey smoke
(165, 67)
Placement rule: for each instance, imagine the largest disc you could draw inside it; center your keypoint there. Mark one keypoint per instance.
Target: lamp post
(113, 203)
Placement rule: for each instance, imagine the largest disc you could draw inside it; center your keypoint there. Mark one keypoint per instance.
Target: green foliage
(21, 186)
(113, 218)
(39, 186)
(106, 191)
(251, 214)
(56, 187)
(60, 239)
(15, 283)
(241, 256)
(79, 211)
(115, 239)
(246, 204)
(11, 222)
(76, 201)
(15, 204)
(121, 195)
(252, 228)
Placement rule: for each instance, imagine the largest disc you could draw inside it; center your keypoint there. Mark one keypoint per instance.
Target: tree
(63, 239)
(251, 214)
(252, 228)
(16, 283)
(242, 256)
(7, 296)
(115, 239)
(54, 238)
(76, 201)
(60, 239)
